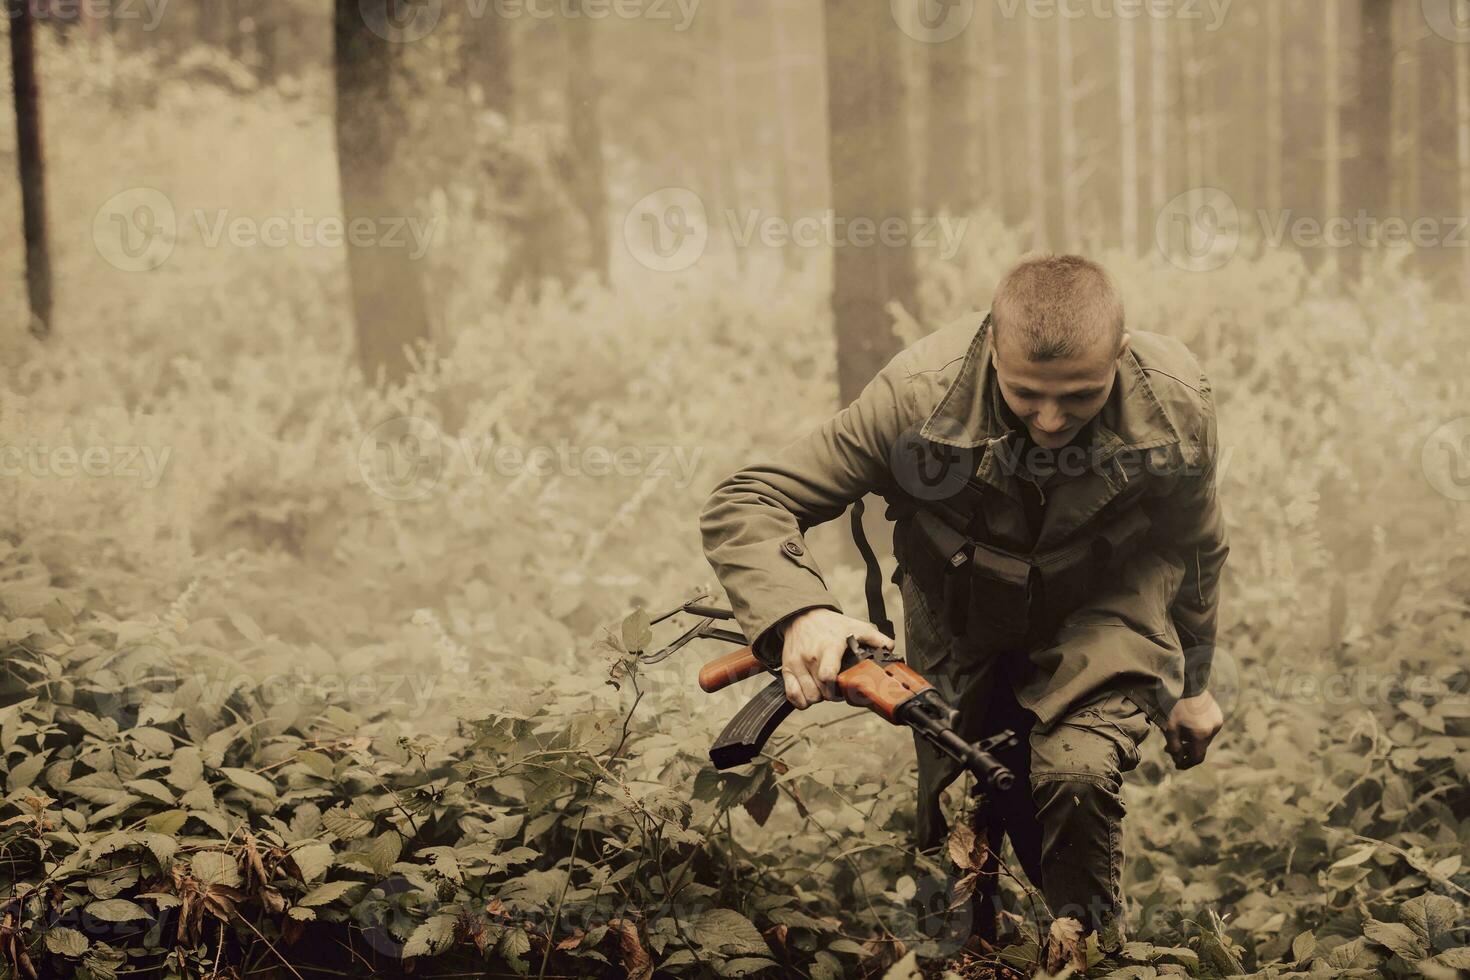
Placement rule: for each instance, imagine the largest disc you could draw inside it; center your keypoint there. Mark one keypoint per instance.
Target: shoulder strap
(873, 582)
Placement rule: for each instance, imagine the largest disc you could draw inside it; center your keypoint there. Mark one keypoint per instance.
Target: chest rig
(984, 590)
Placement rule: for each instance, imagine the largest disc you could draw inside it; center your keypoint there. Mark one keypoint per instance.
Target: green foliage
(256, 704)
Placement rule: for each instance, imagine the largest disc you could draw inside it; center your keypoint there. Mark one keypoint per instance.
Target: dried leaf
(962, 845)
(1064, 946)
(636, 961)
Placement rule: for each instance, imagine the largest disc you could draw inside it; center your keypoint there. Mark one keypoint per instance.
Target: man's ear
(1123, 347)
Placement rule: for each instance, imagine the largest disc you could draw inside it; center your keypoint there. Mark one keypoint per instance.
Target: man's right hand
(812, 652)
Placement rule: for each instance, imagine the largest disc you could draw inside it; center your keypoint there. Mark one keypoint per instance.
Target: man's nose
(1051, 419)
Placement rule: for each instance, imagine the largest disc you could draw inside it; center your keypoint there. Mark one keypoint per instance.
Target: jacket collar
(968, 416)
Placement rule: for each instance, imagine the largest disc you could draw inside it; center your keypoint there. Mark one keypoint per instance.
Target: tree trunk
(387, 296)
(1245, 120)
(1275, 98)
(868, 160)
(234, 37)
(1207, 110)
(30, 161)
(786, 155)
(1405, 112)
(1462, 132)
(1332, 125)
(1035, 137)
(1374, 110)
(211, 23)
(1127, 137)
(589, 184)
(1158, 104)
(1067, 134)
(485, 59)
(1193, 109)
(948, 172)
(722, 100)
(988, 74)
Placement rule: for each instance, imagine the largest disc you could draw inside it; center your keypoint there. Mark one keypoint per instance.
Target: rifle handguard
(721, 672)
(881, 687)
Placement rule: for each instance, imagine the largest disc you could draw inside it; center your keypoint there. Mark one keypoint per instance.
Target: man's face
(1054, 399)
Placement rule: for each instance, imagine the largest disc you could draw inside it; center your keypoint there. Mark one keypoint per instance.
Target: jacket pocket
(1120, 718)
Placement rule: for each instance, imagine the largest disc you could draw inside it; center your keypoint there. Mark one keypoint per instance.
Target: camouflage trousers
(1063, 814)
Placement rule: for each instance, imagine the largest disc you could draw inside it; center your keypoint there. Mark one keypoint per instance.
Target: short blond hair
(1057, 306)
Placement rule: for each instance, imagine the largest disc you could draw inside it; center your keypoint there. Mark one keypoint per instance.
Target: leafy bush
(266, 705)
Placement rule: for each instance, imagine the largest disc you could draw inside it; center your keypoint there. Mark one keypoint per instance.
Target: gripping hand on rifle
(811, 655)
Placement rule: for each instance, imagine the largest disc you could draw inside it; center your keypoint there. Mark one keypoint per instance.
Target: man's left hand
(1192, 726)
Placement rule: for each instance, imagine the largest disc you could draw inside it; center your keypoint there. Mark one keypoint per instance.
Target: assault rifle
(869, 677)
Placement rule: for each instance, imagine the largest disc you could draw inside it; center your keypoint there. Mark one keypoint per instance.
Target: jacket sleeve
(754, 521)
(1194, 525)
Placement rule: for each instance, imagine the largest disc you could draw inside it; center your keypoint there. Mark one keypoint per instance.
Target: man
(1059, 544)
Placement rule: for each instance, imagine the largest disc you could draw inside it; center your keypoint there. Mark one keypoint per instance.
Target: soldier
(1059, 544)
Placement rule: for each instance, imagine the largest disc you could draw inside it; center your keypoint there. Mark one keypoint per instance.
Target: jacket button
(793, 548)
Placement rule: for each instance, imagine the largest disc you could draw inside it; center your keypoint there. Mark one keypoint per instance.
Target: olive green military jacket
(1150, 633)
